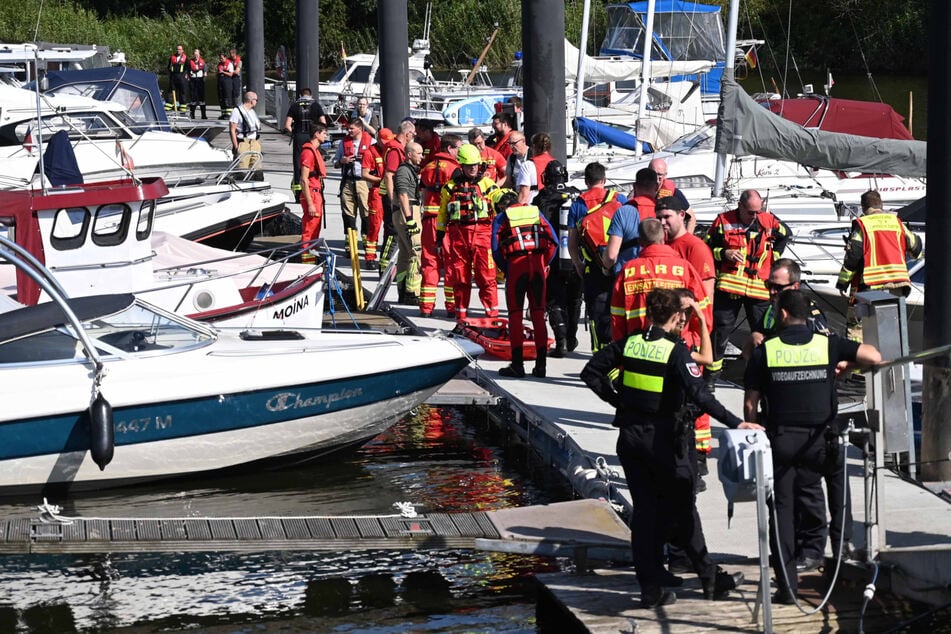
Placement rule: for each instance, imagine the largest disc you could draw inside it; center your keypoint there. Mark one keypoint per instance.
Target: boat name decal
(290, 309)
(141, 425)
(292, 400)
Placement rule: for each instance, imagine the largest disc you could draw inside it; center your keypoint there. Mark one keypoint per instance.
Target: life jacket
(391, 146)
(645, 206)
(667, 188)
(196, 67)
(746, 278)
(467, 203)
(798, 384)
(523, 233)
(491, 166)
(176, 64)
(347, 172)
(433, 176)
(541, 162)
(377, 168)
(644, 368)
(602, 204)
(316, 177)
(883, 250)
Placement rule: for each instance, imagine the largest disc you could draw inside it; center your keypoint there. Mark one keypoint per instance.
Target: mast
(645, 74)
(579, 84)
(728, 72)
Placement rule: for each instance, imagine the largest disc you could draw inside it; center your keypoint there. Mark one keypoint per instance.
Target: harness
(467, 204)
(593, 228)
(524, 235)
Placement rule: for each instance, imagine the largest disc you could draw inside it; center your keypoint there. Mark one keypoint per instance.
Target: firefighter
(523, 246)
(793, 374)
(354, 190)
(745, 242)
(432, 177)
(373, 175)
(875, 254)
(658, 378)
(313, 171)
(465, 215)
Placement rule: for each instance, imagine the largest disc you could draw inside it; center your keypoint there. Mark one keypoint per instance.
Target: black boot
(204, 115)
(656, 597)
(560, 349)
(540, 362)
(556, 317)
(191, 110)
(515, 369)
(721, 584)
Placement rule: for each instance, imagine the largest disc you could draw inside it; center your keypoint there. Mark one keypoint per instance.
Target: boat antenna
(39, 14)
(39, 117)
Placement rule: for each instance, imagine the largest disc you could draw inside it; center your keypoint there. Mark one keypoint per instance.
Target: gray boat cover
(747, 128)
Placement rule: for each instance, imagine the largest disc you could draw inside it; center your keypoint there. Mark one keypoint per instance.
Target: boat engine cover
(736, 464)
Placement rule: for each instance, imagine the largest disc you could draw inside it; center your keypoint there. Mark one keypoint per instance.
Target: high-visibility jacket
(885, 242)
(523, 231)
(433, 176)
(465, 202)
(644, 370)
(602, 204)
(657, 266)
(762, 242)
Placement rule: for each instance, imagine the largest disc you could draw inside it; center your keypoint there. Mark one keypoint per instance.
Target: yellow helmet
(502, 199)
(468, 155)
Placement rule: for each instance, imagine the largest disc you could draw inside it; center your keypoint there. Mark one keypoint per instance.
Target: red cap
(386, 134)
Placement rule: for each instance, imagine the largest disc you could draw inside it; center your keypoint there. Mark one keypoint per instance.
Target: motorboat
(103, 139)
(101, 239)
(109, 390)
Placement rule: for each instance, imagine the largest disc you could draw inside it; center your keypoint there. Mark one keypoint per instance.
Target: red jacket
(762, 242)
(432, 177)
(657, 266)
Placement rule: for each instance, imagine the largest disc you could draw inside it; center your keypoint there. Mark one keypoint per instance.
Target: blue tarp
(59, 160)
(595, 133)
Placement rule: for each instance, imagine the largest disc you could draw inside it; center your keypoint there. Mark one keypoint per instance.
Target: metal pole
(645, 75)
(935, 393)
(394, 84)
(543, 40)
(728, 72)
(579, 87)
(762, 525)
(308, 47)
(254, 51)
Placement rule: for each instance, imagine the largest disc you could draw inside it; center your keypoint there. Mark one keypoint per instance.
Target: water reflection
(432, 459)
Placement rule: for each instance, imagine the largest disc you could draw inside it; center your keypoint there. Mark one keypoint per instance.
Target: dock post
(762, 526)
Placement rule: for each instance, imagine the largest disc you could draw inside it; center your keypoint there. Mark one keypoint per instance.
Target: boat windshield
(136, 331)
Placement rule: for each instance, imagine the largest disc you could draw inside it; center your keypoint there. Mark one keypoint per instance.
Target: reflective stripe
(786, 355)
(646, 382)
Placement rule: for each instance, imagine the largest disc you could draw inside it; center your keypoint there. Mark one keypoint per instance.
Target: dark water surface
(438, 459)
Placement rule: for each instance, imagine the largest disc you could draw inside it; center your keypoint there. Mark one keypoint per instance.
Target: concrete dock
(570, 428)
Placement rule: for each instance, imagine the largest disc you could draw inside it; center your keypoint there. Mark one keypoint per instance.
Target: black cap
(670, 202)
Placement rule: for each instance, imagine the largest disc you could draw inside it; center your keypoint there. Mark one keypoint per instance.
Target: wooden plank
(74, 532)
(344, 527)
(222, 529)
(247, 529)
(18, 530)
(488, 528)
(271, 528)
(148, 530)
(47, 532)
(97, 531)
(320, 527)
(173, 529)
(123, 530)
(466, 524)
(197, 530)
(296, 528)
(443, 525)
(369, 527)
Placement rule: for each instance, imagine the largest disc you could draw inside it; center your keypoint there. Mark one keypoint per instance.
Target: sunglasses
(773, 286)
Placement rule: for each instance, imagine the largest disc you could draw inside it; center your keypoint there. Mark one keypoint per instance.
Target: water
(436, 459)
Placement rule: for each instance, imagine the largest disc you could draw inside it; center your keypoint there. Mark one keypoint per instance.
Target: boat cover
(745, 127)
(59, 161)
(849, 116)
(595, 133)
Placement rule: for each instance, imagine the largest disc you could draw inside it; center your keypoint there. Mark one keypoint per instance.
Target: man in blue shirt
(622, 234)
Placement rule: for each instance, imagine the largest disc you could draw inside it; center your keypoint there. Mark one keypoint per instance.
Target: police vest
(593, 228)
(800, 390)
(467, 204)
(746, 278)
(644, 369)
(883, 250)
(524, 233)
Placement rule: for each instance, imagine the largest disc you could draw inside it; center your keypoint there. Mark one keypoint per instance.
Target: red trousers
(470, 254)
(432, 263)
(374, 223)
(310, 225)
(526, 278)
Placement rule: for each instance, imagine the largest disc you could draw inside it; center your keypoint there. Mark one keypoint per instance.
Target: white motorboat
(99, 239)
(108, 390)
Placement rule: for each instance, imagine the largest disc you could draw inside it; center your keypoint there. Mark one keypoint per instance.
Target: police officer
(658, 378)
(299, 124)
(794, 373)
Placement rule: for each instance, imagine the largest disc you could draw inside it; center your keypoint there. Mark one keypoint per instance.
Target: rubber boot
(204, 115)
(191, 109)
(515, 369)
(556, 317)
(540, 362)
